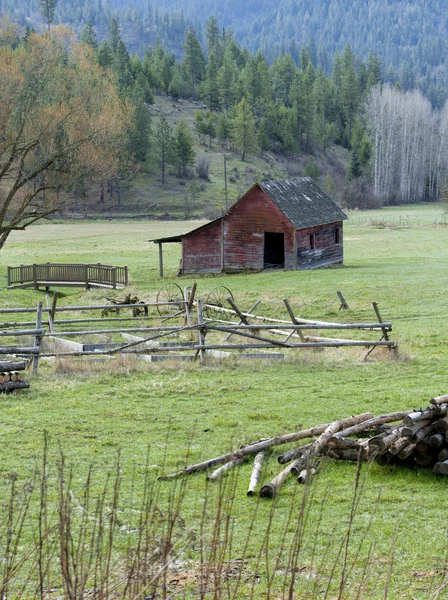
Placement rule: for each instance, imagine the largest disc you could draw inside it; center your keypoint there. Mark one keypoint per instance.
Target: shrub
(202, 168)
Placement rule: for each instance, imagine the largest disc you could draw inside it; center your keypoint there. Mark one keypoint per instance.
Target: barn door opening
(274, 250)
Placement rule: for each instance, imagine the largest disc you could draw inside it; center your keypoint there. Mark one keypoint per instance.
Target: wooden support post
(344, 304)
(251, 309)
(242, 317)
(380, 320)
(293, 319)
(160, 259)
(201, 351)
(38, 338)
(114, 278)
(35, 276)
(50, 320)
(86, 276)
(383, 329)
(189, 294)
(53, 306)
(126, 276)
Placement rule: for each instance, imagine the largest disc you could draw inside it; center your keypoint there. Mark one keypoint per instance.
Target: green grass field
(396, 256)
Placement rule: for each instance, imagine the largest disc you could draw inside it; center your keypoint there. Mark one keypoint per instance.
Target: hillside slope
(196, 197)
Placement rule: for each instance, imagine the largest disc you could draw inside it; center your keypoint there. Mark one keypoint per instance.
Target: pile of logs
(415, 436)
(11, 376)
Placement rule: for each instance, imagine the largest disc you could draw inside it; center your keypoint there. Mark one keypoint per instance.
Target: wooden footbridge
(50, 275)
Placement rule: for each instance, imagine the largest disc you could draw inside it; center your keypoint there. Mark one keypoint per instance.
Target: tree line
(409, 37)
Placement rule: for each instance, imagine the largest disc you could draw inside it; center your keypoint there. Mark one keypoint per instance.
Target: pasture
(397, 257)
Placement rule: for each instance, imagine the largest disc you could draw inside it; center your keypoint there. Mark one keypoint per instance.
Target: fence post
(21, 274)
(114, 277)
(126, 280)
(38, 338)
(86, 276)
(35, 276)
(9, 276)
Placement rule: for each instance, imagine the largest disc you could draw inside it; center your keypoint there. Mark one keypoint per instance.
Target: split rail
(189, 326)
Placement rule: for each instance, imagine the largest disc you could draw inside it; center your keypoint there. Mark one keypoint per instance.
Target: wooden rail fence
(204, 330)
(77, 275)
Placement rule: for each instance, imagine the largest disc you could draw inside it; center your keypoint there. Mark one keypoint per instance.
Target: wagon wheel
(170, 292)
(217, 297)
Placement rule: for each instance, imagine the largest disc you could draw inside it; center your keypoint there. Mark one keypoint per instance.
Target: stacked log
(12, 378)
(418, 437)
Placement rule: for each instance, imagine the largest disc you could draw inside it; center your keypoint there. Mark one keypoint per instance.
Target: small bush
(202, 168)
(359, 194)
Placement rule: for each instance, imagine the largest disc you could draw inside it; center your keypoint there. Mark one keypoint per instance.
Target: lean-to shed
(288, 224)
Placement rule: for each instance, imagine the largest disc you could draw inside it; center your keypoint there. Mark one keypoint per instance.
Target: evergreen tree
(194, 60)
(211, 89)
(244, 135)
(183, 147)
(212, 37)
(311, 169)
(349, 91)
(226, 80)
(206, 125)
(163, 144)
(114, 34)
(88, 36)
(105, 55)
(141, 130)
(47, 9)
(374, 72)
(121, 64)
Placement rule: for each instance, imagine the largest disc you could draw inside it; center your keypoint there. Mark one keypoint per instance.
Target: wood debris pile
(11, 376)
(415, 436)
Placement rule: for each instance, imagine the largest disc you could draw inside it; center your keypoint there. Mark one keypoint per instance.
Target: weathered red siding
(325, 252)
(201, 250)
(244, 230)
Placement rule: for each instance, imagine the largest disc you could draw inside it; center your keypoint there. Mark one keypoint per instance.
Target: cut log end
(267, 491)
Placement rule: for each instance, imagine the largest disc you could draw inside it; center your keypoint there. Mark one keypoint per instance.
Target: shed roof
(303, 202)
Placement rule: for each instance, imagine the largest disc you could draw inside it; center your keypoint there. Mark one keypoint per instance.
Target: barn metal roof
(303, 202)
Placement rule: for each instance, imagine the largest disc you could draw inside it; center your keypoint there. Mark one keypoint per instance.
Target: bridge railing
(59, 274)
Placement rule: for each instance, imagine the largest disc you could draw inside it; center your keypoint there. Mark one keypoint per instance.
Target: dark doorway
(274, 250)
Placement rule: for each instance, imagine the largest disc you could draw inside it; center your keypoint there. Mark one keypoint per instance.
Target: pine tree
(311, 169)
(88, 36)
(183, 147)
(374, 73)
(140, 132)
(212, 36)
(211, 90)
(194, 60)
(244, 135)
(349, 91)
(105, 55)
(163, 144)
(226, 80)
(114, 34)
(47, 9)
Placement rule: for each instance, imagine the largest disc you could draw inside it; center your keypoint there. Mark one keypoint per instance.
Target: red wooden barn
(289, 224)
